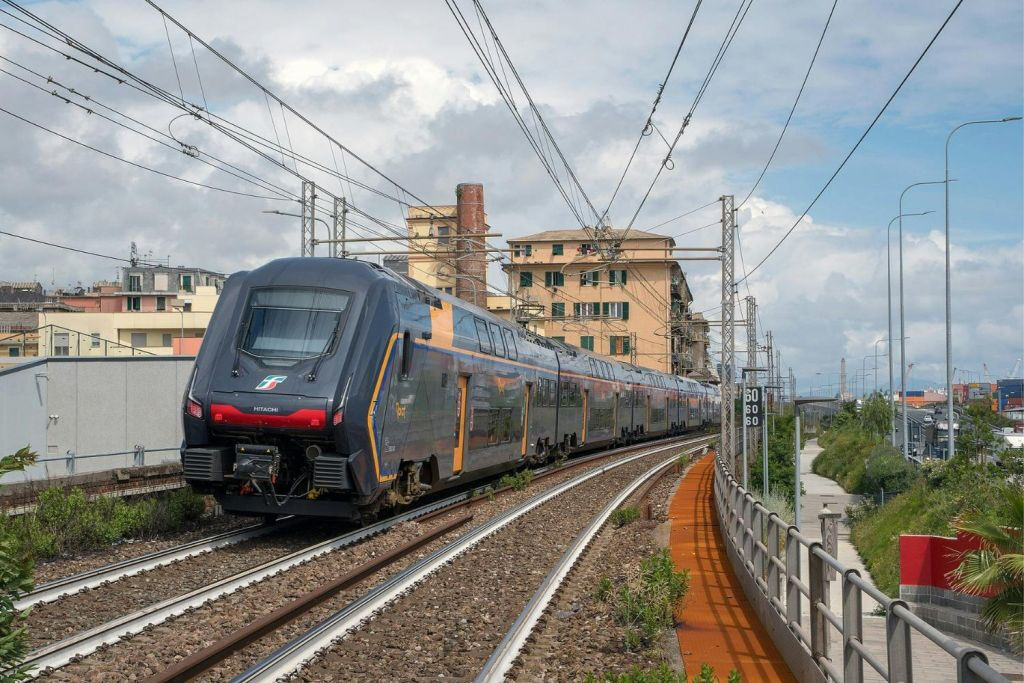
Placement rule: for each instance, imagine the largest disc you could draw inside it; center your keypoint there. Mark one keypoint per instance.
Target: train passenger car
(334, 387)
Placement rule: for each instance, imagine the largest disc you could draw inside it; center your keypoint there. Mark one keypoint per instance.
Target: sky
(398, 84)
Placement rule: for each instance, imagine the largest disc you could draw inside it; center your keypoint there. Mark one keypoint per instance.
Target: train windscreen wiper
(311, 377)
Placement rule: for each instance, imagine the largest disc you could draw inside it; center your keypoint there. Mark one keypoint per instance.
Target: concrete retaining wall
(127, 411)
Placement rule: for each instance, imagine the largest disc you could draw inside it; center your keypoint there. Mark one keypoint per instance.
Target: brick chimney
(471, 286)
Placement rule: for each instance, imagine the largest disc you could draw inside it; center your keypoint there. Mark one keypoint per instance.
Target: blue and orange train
(337, 387)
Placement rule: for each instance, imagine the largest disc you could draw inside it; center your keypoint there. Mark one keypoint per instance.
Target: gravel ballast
(450, 624)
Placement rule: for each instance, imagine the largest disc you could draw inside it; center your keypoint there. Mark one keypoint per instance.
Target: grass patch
(644, 604)
(517, 481)
(625, 515)
(662, 673)
(65, 521)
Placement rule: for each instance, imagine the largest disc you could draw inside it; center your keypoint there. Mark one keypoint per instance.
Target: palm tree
(997, 568)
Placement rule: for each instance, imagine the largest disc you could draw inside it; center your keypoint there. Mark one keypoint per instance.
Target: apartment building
(635, 306)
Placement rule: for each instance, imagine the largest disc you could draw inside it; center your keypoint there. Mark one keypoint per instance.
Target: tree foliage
(998, 566)
(15, 580)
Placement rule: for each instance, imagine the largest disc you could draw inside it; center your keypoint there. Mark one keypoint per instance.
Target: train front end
(269, 409)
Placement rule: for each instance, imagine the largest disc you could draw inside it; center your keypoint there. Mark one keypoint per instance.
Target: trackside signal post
(753, 414)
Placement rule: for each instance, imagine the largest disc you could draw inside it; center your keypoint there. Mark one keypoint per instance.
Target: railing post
(69, 463)
(853, 629)
(748, 526)
(773, 551)
(819, 595)
(897, 645)
(140, 455)
(792, 571)
(963, 671)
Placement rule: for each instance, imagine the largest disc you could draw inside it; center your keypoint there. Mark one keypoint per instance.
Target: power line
(649, 124)
(789, 118)
(684, 215)
(734, 27)
(135, 164)
(74, 249)
(859, 140)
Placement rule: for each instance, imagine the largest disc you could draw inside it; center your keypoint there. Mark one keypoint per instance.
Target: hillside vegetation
(918, 500)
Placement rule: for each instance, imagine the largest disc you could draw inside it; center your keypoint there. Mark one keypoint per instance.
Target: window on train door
(482, 336)
(564, 393)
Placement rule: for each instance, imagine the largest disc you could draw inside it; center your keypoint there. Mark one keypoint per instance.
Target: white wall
(87, 406)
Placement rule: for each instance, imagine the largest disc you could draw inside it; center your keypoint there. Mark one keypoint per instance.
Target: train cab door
(586, 414)
(461, 397)
(527, 402)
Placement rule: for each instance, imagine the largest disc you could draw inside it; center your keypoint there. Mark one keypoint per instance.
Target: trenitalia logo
(270, 382)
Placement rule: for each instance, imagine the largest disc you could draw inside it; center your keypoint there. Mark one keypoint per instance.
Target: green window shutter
(604, 308)
(547, 278)
(611, 277)
(625, 310)
(525, 279)
(560, 279)
(576, 310)
(556, 249)
(623, 274)
(625, 345)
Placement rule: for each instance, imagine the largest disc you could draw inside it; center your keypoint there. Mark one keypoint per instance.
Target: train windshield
(293, 323)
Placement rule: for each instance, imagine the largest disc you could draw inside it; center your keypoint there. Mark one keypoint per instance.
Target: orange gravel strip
(716, 626)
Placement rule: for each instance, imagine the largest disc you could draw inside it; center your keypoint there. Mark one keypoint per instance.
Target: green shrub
(625, 515)
(66, 521)
(659, 674)
(707, 675)
(644, 605)
(15, 580)
(518, 481)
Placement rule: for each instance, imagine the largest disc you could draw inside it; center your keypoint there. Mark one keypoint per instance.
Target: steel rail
(305, 647)
(70, 585)
(200, 661)
(505, 654)
(60, 653)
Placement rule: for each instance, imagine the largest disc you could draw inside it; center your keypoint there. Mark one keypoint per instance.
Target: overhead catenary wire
(66, 247)
(649, 124)
(860, 140)
(792, 109)
(734, 27)
(136, 164)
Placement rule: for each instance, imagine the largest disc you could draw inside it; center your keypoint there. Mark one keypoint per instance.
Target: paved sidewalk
(819, 492)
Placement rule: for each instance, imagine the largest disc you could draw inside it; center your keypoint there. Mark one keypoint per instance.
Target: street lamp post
(949, 308)
(796, 439)
(903, 333)
(888, 279)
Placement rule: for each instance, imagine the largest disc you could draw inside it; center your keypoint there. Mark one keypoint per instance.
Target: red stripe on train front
(306, 418)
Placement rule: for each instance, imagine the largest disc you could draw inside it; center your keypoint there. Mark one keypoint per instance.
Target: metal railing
(770, 550)
(45, 339)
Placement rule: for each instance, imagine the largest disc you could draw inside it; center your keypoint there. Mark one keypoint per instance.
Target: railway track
(301, 649)
(53, 657)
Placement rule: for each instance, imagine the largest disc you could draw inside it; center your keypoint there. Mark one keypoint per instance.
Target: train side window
(465, 330)
(564, 393)
(482, 336)
(510, 344)
(499, 345)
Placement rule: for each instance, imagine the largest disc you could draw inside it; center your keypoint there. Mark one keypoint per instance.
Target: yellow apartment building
(635, 307)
